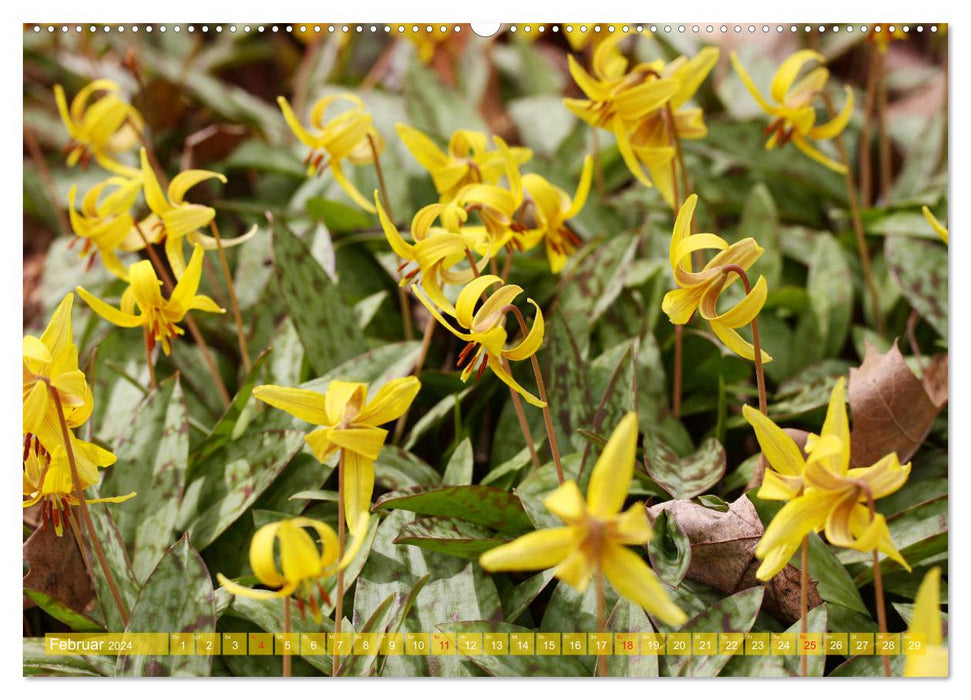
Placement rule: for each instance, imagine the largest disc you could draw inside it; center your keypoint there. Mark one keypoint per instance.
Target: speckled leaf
(482, 505)
(670, 550)
(268, 616)
(567, 384)
(816, 621)
(458, 471)
(919, 269)
(37, 662)
(597, 280)
(363, 664)
(760, 220)
(117, 557)
(868, 666)
(736, 613)
(685, 477)
(629, 618)
(830, 289)
(515, 600)
(396, 468)
(232, 479)
(451, 536)
(152, 461)
(375, 367)
(325, 322)
(534, 666)
(177, 597)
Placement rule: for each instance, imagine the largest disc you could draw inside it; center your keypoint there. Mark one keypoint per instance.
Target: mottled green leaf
(919, 269)
(482, 505)
(669, 550)
(177, 597)
(37, 662)
(830, 290)
(62, 613)
(458, 471)
(688, 476)
(513, 666)
(363, 664)
(628, 618)
(451, 536)
(339, 217)
(816, 622)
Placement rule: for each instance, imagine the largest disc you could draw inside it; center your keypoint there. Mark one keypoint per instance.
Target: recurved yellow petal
(305, 404)
(786, 75)
(610, 479)
(536, 550)
(634, 580)
(779, 449)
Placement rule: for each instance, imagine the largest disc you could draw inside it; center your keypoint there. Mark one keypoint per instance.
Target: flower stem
(286, 630)
(83, 505)
(804, 604)
(189, 321)
(857, 223)
(341, 536)
(678, 371)
(598, 168)
(231, 288)
(403, 300)
(148, 358)
(517, 405)
(883, 137)
(866, 172)
(878, 581)
(756, 342)
(601, 620)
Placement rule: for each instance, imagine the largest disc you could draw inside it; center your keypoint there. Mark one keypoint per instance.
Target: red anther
(463, 356)
(482, 368)
(403, 265)
(27, 441)
(89, 264)
(313, 607)
(70, 246)
(300, 608)
(518, 227)
(570, 236)
(784, 136)
(774, 126)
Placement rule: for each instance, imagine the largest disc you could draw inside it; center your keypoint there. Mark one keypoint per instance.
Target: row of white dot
(415, 28)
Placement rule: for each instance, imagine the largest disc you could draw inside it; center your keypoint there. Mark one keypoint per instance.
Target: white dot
(78, 29)
(162, 29)
(920, 27)
(191, 28)
(64, 29)
(765, 29)
(863, 28)
(36, 29)
(934, 28)
(849, 29)
(751, 29)
(724, 29)
(513, 29)
(878, 29)
(120, 29)
(232, 28)
(822, 28)
(836, 28)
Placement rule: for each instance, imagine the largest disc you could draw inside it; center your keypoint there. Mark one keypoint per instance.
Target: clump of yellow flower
(426, 38)
(596, 535)
(939, 228)
(156, 313)
(881, 36)
(99, 128)
(700, 291)
(105, 222)
(345, 137)
(467, 159)
(794, 109)
(833, 498)
(926, 621)
(348, 422)
(484, 330)
(302, 563)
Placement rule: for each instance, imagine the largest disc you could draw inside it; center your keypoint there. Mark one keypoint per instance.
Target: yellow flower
(424, 41)
(593, 541)
(926, 620)
(106, 223)
(52, 361)
(619, 99)
(834, 497)
(157, 314)
(436, 250)
(47, 476)
(176, 219)
(343, 137)
(486, 336)
(553, 207)
(579, 40)
(350, 423)
(101, 128)
(794, 112)
(881, 36)
(699, 291)
(302, 563)
(938, 227)
(466, 161)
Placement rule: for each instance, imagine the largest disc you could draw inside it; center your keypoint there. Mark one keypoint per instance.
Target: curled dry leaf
(723, 553)
(892, 409)
(56, 568)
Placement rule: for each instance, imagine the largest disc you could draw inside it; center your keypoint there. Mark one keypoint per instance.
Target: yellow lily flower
(593, 541)
(52, 361)
(437, 249)
(176, 219)
(938, 227)
(486, 336)
(834, 497)
(466, 161)
(302, 563)
(699, 291)
(617, 99)
(579, 40)
(157, 314)
(99, 128)
(795, 115)
(784, 480)
(553, 207)
(106, 223)
(47, 476)
(927, 621)
(425, 42)
(348, 422)
(345, 137)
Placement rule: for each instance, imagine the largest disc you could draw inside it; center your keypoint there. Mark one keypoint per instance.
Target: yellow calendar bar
(488, 643)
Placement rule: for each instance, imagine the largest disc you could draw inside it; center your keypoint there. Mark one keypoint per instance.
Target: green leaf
(685, 477)
(517, 599)
(231, 480)
(568, 385)
(482, 505)
(155, 457)
(324, 321)
(919, 269)
(627, 618)
(458, 472)
(363, 664)
(516, 666)
(816, 622)
(339, 217)
(760, 220)
(62, 613)
(37, 662)
(833, 582)
(736, 613)
(669, 550)
(543, 123)
(830, 290)
(117, 558)
(396, 469)
(261, 156)
(451, 536)
(177, 597)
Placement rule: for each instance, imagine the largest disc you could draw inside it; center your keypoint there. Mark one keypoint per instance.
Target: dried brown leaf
(723, 553)
(56, 568)
(892, 409)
